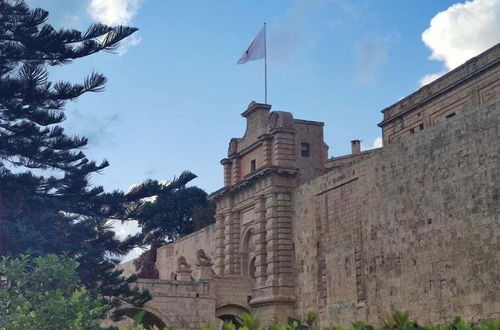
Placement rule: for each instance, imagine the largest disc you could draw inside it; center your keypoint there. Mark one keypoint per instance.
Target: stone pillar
(236, 231)
(227, 173)
(204, 273)
(272, 242)
(284, 149)
(228, 255)
(219, 244)
(231, 242)
(267, 147)
(285, 244)
(279, 239)
(236, 171)
(260, 243)
(274, 302)
(184, 274)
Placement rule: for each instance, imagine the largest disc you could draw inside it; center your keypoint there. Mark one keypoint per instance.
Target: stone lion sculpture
(203, 259)
(182, 264)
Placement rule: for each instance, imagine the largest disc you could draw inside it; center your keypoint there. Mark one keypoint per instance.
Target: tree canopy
(56, 211)
(47, 205)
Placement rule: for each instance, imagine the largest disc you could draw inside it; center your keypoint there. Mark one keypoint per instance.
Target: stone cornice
(253, 106)
(252, 177)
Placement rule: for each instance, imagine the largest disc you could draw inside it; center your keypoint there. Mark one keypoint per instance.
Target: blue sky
(175, 94)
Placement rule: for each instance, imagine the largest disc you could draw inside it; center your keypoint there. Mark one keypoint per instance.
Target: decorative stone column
(260, 242)
(267, 148)
(228, 253)
(231, 242)
(272, 243)
(227, 172)
(285, 244)
(279, 239)
(235, 171)
(219, 244)
(274, 299)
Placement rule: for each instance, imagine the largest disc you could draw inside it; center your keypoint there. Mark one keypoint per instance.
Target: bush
(44, 293)
(397, 321)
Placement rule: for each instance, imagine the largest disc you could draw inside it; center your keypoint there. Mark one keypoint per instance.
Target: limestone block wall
(167, 255)
(232, 291)
(312, 133)
(472, 84)
(415, 226)
(181, 305)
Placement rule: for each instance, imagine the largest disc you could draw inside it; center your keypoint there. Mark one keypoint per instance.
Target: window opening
(305, 149)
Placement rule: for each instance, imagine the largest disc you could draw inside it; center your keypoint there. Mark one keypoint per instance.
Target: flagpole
(265, 64)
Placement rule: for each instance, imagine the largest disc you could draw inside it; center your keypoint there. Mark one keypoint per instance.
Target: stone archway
(230, 312)
(149, 320)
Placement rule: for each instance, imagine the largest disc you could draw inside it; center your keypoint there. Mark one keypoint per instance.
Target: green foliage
(397, 321)
(209, 326)
(54, 213)
(249, 322)
(228, 325)
(177, 210)
(44, 293)
(400, 320)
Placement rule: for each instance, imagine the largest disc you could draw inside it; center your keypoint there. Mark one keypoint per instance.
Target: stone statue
(203, 259)
(182, 264)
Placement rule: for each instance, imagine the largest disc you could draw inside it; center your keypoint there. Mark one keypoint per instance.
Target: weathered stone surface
(412, 226)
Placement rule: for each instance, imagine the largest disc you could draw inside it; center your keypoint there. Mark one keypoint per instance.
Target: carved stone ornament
(280, 119)
(182, 264)
(203, 259)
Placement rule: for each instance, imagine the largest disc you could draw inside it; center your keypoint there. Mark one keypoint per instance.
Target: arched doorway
(248, 254)
(230, 318)
(149, 319)
(230, 312)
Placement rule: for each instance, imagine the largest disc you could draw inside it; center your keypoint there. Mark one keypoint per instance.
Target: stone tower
(254, 209)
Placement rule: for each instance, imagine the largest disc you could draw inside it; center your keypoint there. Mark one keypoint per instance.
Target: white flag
(257, 48)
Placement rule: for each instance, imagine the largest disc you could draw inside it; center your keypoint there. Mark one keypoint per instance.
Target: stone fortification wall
(474, 83)
(415, 226)
(167, 255)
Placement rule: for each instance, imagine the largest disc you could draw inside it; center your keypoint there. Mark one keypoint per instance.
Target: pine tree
(58, 213)
(175, 211)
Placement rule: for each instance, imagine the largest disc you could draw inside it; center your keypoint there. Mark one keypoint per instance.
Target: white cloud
(378, 143)
(463, 31)
(135, 253)
(125, 44)
(113, 12)
(122, 230)
(430, 77)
